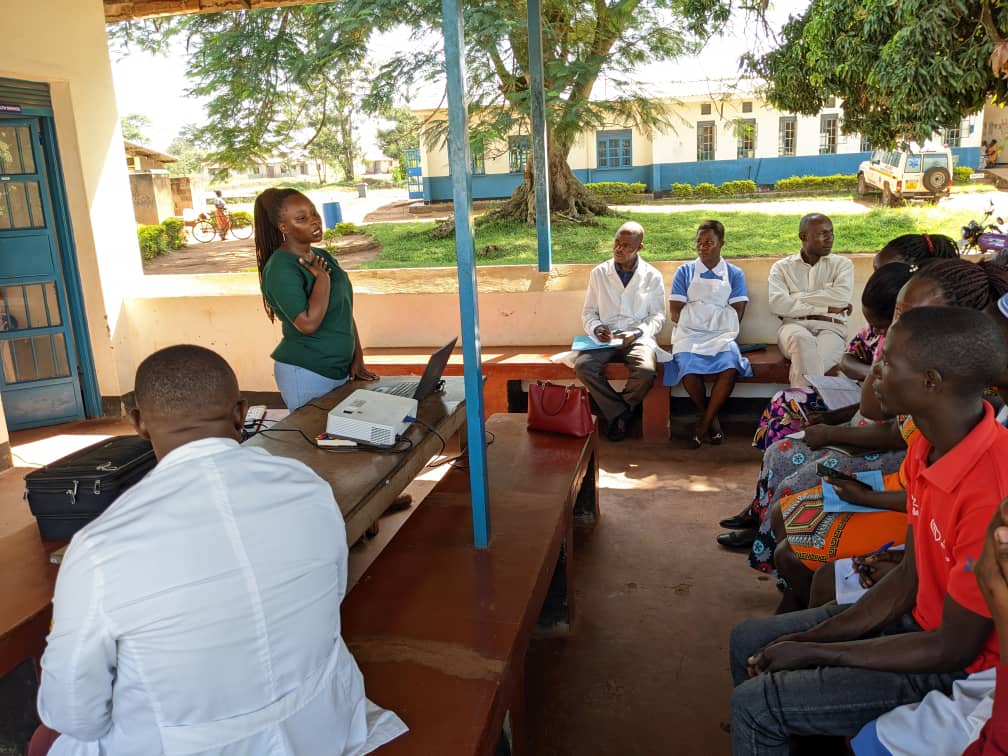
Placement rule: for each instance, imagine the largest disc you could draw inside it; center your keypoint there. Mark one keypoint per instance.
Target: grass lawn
(666, 237)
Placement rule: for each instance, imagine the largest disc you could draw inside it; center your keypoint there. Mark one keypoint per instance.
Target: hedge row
(839, 182)
(961, 174)
(706, 189)
(616, 189)
(156, 240)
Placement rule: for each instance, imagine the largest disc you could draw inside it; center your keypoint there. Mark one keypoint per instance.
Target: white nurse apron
(707, 324)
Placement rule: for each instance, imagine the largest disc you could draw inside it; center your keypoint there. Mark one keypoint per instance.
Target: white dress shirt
(639, 304)
(798, 289)
(200, 614)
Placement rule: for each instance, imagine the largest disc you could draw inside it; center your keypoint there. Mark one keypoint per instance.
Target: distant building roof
(133, 149)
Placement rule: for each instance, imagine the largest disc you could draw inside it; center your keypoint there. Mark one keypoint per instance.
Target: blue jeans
(298, 385)
(769, 708)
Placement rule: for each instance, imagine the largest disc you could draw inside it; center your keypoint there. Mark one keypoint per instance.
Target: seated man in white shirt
(626, 301)
(811, 293)
(201, 612)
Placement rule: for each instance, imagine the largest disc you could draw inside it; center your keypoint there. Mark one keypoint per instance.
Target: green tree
(581, 42)
(133, 126)
(274, 78)
(403, 135)
(249, 61)
(190, 151)
(903, 69)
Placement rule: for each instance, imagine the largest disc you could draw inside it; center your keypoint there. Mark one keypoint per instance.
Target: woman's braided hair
(966, 284)
(918, 249)
(268, 238)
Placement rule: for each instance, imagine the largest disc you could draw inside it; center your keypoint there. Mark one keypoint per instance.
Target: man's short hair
(632, 227)
(963, 345)
(183, 379)
(803, 224)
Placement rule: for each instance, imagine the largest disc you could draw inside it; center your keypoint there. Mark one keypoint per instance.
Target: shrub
(152, 241)
(241, 219)
(615, 189)
(682, 190)
(705, 189)
(743, 186)
(818, 184)
(174, 233)
(331, 235)
(961, 174)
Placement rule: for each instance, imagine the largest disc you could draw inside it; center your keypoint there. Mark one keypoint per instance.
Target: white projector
(370, 417)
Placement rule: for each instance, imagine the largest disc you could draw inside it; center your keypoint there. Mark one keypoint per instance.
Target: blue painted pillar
(461, 180)
(538, 118)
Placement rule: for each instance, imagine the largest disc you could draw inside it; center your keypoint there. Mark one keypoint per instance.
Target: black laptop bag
(69, 493)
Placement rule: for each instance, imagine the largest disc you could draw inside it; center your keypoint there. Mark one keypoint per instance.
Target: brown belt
(825, 318)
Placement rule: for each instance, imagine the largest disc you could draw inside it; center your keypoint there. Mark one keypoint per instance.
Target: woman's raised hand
(316, 264)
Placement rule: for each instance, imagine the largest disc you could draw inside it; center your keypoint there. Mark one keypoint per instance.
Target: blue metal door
(414, 176)
(39, 382)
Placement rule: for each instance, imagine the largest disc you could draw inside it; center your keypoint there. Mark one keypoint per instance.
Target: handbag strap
(563, 402)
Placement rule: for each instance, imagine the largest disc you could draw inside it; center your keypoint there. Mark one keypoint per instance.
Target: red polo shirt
(949, 505)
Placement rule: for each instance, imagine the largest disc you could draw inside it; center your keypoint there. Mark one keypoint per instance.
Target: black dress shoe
(618, 427)
(737, 539)
(739, 522)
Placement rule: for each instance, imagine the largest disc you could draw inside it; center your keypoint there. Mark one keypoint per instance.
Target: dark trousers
(590, 370)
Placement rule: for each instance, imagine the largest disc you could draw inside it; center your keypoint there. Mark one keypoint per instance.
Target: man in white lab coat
(811, 293)
(201, 612)
(624, 304)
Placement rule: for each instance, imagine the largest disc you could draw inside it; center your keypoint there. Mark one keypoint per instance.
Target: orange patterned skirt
(818, 537)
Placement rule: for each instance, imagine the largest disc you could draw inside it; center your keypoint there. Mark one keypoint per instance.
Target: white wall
(63, 42)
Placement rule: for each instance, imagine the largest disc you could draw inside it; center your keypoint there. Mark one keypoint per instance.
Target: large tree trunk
(568, 197)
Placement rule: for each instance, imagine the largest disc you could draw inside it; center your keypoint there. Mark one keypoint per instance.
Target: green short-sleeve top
(286, 285)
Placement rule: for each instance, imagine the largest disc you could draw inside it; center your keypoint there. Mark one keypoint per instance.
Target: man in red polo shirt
(829, 670)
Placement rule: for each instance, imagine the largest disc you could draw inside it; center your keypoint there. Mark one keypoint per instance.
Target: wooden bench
(440, 628)
(505, 365)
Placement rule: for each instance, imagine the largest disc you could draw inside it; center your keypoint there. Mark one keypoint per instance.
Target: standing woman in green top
(306, 288)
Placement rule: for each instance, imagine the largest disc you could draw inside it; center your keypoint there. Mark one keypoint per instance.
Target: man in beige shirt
(811, 293)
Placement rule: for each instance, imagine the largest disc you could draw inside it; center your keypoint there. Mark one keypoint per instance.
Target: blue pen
(883, 549)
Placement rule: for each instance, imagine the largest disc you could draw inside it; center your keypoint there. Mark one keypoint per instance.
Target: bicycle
(206, 227)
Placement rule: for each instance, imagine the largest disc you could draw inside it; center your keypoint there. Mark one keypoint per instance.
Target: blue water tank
(331, 214)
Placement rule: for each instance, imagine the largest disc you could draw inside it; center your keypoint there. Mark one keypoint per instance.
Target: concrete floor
(645, 670)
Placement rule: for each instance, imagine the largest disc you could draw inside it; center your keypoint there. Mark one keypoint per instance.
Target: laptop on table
(428, 383)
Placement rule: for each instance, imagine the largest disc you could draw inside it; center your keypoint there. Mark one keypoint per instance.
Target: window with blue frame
(614, 149)
(518, 153)
(705, 140)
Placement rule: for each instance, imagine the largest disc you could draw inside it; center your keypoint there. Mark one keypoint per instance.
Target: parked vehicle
(985, 235)
(904, 174)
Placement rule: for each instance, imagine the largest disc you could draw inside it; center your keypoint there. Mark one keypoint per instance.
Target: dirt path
(238, 256)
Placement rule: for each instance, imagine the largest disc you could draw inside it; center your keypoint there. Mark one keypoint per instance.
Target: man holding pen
(625, 306)
(925, 625)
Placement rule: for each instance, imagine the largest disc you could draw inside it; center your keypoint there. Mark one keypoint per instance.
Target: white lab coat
(640, 304)
(200, 614)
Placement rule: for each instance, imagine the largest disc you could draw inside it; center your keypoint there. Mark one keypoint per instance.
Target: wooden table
(366, 482)
(26, 589)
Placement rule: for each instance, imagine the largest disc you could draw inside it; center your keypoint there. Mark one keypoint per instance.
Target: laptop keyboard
(406, 388)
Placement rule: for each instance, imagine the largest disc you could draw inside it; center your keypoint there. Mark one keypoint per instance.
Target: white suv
(901, 174)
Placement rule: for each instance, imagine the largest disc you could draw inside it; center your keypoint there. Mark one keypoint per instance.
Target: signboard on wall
(5, 108)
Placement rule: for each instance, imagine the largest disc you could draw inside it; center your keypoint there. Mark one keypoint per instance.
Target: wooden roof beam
(130, 10)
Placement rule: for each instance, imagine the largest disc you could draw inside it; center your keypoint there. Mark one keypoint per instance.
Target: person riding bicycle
(222, 216)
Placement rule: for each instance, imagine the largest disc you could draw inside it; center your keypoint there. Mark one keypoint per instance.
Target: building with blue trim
(714, 137)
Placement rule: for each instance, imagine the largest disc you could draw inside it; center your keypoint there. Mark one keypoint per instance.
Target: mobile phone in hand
(834, 474)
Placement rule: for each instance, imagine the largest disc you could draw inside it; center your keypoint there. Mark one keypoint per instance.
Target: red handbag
(559, 409)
